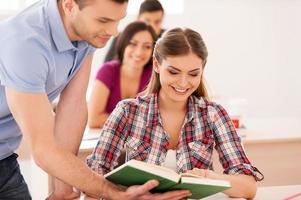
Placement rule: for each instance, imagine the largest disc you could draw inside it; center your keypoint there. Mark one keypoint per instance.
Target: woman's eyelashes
(145, 46)
(194, 74)
(103, 21)
(173, 72)
(133, 44)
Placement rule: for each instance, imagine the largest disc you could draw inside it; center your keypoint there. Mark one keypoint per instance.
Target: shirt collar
(193, 107)
(57, 30)
(193, 104)
(153, 112)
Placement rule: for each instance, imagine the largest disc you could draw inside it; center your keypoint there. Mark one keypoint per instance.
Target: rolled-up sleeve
(111, 141)
(229, 146)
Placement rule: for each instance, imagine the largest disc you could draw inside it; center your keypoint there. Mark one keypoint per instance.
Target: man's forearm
(71, 113)
(80, 176)
(70, 123)
(69, 129)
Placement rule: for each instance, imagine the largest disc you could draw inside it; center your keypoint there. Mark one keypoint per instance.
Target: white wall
(254, 51)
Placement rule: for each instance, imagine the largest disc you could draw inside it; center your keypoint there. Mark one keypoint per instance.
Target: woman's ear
(155, 65)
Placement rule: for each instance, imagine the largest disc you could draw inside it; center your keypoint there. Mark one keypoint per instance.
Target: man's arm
(97, 105)
(34, 116)
(70, 120)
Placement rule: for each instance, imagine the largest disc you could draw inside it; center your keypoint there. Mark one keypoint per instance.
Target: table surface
(288, 192)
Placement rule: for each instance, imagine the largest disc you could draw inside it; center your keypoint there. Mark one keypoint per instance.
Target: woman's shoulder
(209, 109)
(113, 64)
(108, 70)
(206, 103)
(139, 102)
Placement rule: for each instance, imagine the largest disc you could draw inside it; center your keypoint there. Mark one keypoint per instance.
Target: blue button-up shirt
(36, 56)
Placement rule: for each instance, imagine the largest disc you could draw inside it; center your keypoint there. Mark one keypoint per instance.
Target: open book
(136, 172)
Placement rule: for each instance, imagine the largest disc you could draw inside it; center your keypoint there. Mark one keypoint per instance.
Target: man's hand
(64, 192)
(142, 193)
(70, 196)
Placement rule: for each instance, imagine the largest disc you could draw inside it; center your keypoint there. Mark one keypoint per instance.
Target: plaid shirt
(135, 125)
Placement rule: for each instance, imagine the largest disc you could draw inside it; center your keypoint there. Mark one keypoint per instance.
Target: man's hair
(82, 3)
(150, 6)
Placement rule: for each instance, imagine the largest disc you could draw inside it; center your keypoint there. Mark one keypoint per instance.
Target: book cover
(136, 172)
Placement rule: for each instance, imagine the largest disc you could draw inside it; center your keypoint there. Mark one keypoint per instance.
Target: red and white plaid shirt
(135, 125)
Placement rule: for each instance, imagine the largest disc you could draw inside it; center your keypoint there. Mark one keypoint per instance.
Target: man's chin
(97, 45)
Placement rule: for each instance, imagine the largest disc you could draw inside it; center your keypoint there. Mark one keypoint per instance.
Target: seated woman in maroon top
(125, 77)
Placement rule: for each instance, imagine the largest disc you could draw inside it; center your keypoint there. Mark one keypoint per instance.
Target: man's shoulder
(27, 27)
(26, 45)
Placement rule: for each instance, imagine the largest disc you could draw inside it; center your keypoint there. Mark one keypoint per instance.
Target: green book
(136, 172)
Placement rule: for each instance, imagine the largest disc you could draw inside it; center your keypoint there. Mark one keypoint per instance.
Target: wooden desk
(272, 145)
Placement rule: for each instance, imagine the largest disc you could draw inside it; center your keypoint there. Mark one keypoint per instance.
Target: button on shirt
(36, 56)
(135, 124)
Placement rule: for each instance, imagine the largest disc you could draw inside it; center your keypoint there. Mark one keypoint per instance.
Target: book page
(162, 168)
(186, 174)
(154, 167)
(205, 181)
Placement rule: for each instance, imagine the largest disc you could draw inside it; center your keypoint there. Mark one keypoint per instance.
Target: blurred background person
(124, 77)
(150, 12)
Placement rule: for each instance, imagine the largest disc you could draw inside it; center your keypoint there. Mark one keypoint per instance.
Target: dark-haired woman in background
(125, 77)
(150, 12)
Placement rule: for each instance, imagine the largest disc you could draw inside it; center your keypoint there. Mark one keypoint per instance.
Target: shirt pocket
(201, 154)
(137, 149)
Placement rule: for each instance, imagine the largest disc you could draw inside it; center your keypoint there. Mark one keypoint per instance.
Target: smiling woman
(175, 117)
(124, 77)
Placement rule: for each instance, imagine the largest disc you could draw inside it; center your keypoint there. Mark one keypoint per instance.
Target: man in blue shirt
(46, 52)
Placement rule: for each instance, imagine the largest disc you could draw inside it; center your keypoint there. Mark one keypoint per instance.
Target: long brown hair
(177, 42)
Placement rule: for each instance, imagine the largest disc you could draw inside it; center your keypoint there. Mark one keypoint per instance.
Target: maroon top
(109, 74)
